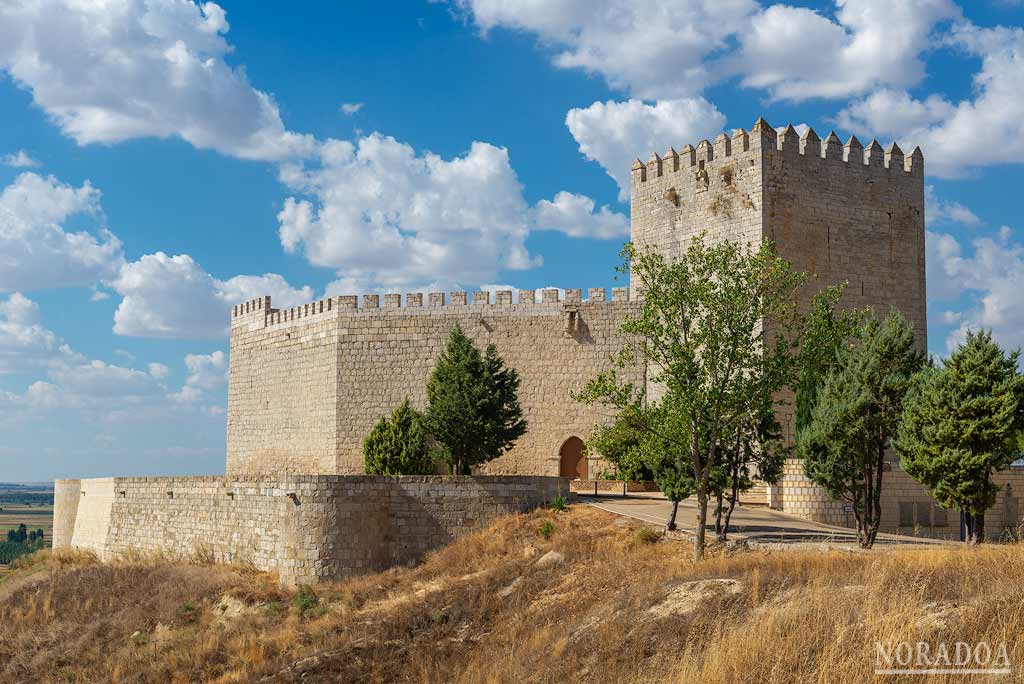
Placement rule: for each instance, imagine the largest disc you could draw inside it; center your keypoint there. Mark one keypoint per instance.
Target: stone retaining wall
(611, 486)
(306, 527)
(907, 507)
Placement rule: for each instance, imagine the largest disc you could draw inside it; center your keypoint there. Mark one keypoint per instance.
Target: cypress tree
(398, 446)
(855, 416)
(961, 424)
(473, 412)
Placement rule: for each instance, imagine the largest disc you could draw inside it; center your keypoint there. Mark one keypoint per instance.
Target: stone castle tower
(838, 212)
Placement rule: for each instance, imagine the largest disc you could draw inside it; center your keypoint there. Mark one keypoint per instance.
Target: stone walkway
(757, 525)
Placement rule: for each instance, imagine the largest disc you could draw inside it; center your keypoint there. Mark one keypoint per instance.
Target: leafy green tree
(856, 415)
(473, 413)
(715, 329)
(620, 444)
(754, 451)
(825, 332)
(398, 446)
(961, 424)
(665, 430)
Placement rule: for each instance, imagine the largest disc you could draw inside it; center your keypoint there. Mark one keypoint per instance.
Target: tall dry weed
(483, 610)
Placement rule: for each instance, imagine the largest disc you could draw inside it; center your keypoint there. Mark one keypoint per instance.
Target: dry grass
(483, 611)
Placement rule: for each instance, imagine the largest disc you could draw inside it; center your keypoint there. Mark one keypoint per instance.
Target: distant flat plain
(31, 504)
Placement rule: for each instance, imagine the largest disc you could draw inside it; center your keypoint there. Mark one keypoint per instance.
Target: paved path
(755, 524)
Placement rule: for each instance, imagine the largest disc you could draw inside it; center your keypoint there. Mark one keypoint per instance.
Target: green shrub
(308, 603)
(188, 612)
(546, 529)
(645, 535)
(473, 410)
(559, 505)
(398, 446)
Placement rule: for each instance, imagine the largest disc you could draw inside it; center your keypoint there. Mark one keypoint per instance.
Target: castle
(307, 383)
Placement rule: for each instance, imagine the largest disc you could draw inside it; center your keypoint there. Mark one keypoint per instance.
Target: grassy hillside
(599, 601)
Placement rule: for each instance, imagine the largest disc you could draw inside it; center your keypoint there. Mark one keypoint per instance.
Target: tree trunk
(969, 528)
(671, 524)
(732, 506)
(858, 491)
(979, 528)
(864, 515)
(702, 520)
(719, 533)
(875, 519)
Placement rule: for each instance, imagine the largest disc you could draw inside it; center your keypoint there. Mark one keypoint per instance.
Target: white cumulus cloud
(173, 296)
(939, 211)
(991, 278)
(386, 217)
(615, 133)
(985, 129)
(19, 160)
(93, 389)
(666, 49)
(35, 249)
(206, 373)
(574, 215)
(111, 71)
(24, 341)
(651, 50)
(796, 53)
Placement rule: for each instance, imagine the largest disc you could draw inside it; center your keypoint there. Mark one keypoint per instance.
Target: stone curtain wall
(307, 528)
(282, 393)
(92, 520)
(307, 384)
(66, 494)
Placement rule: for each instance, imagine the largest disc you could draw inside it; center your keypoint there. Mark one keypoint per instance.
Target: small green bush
(188, 612)
(546, 530)
(308, 603)
(398, 446)
(645, 535)
(559, 505)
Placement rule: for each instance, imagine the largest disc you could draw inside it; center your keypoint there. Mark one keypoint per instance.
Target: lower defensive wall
(308, 528)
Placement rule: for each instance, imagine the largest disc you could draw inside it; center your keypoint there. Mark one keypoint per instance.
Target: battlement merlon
(765, 139)
(258, 313)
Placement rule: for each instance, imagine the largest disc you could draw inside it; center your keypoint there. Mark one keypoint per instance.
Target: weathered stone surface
(548, 559)
(306, 384)
(307, 527)
(684, 599)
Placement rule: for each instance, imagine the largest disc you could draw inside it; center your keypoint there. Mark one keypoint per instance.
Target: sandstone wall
(307, 528)
(714, 188)
(66, 494)
(282, 392)
(307, 384)
(93, 514)
(907, 507)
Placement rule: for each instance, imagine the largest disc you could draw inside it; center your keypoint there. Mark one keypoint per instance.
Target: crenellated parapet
(261, 313)
(766, 140)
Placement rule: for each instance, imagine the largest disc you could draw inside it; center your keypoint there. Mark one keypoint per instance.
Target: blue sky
(162, 160)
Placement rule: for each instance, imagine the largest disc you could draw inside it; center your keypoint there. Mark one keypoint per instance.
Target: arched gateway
(572, 460)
